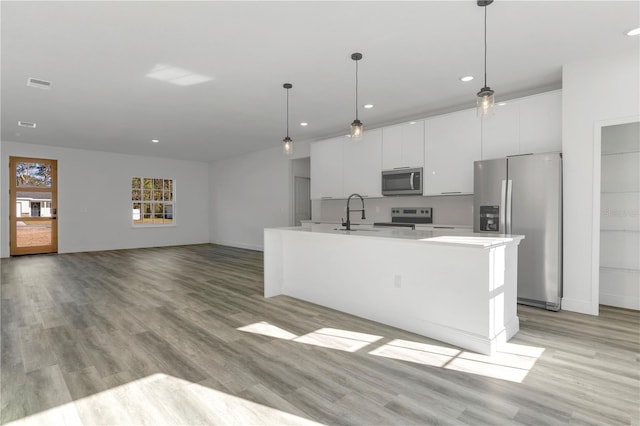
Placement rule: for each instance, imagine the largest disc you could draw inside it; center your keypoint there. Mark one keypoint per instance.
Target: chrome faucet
(347, 224)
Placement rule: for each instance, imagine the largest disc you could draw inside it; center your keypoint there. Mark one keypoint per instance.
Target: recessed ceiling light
(155, 140)
(502, 103)
(466, 78)
(367, 106)
(303, 124)
(175, 75)
(412, 122)
(27, 124)
(633, 32)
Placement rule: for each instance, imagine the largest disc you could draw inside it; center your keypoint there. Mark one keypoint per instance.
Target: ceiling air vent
(27, 124)
(40, 84)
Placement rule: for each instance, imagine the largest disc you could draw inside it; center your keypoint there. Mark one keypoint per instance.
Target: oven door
(402, 182)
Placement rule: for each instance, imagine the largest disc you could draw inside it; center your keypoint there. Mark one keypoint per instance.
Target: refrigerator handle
(508, 205)
(502, 227)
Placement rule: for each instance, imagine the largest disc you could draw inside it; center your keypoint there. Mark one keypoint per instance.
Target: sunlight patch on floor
(511, 362)
(421, 353)
(160, 399)
(332, 338)
(267, 329)
(343, 340)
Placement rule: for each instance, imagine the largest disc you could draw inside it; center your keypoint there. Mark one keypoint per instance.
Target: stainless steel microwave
(402, 182)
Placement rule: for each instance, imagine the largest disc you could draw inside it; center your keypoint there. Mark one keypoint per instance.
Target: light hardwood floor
(183, 335)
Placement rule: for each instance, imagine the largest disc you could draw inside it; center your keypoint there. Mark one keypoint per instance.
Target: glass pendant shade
(485, 102)
(287, 146)
(357, 129)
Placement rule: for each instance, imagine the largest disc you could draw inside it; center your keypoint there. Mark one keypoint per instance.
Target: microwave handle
(411, 180)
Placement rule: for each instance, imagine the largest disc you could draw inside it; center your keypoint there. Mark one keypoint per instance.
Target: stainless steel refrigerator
(523, 195)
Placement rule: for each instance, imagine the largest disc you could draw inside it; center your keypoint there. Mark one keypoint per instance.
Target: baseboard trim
(620, 301)
(579, 306)
(237, 245)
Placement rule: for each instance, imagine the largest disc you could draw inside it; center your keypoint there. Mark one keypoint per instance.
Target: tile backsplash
(447, 210)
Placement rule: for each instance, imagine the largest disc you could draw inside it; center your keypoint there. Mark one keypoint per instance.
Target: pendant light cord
(287, 112)
(485, 46)
(356, 90)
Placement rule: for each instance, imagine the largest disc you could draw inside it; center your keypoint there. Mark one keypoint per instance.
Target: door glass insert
(34, 175)
(33, 218)
(33, 233)
(32, 204)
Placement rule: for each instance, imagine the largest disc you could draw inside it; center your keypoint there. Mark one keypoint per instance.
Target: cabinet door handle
(400, 168)
(326, 198)
(444, 227)
(452, 192)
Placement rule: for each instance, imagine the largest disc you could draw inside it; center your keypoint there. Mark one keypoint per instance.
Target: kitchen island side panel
(460, 295)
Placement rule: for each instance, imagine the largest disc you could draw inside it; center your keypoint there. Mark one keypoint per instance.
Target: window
(152, 200)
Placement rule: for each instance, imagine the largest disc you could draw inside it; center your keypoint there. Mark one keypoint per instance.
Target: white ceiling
(97, 54)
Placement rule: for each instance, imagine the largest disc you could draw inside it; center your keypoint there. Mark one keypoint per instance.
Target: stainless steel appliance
(407, 217)
(523, 195)
(403, 181)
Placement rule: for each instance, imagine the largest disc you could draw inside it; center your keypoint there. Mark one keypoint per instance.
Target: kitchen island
(456, 287)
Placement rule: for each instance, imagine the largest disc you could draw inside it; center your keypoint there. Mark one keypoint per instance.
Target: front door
(34, 200)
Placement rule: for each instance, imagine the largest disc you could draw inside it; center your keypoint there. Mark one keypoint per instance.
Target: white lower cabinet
(452, 144)
(362, 168)
(326, 168)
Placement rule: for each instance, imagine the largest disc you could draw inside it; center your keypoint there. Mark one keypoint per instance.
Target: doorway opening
(33, 218)
(301, 172)
(619, 216)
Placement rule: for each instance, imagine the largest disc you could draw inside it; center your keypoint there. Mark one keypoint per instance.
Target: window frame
(152, 201)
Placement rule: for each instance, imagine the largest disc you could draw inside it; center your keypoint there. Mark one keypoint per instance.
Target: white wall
(598, 92)
(251, 192)
(94, 199)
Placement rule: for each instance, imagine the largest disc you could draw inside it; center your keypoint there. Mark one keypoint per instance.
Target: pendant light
(356, 127)
(287, 143)
(486, 97)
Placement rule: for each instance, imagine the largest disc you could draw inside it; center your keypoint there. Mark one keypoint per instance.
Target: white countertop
(438, 236)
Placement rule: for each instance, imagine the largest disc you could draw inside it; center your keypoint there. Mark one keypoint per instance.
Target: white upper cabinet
(340, 167)
(403, 145)
(326, 168)
(452, 144)
(523, 126)
(363, 165)
(445, 145)
(541, 123)
(501, 131)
